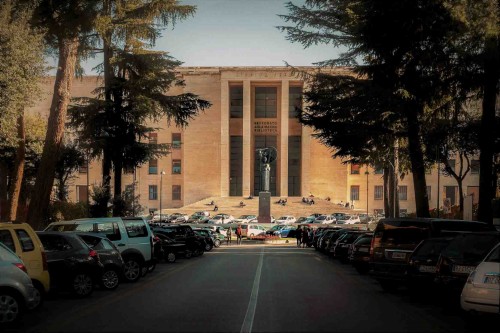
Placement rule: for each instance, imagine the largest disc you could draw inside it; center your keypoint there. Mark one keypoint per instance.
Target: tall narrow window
(153, 192)
(236, 101)
(355, 169)
(474, 167)
(265, 102)
(153, 138)
(176, 166)
(176, 192)
(236, 166)
(83, 167)
(379, 192)
(153, 167)
(176, 140)
(403, 192)
(379, 170)
(294, 101)
(354, 192)
(294, 165)
(81, 193)
(451, 163)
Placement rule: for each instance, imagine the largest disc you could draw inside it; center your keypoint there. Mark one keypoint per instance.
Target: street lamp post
(161, 189)
(367, 173)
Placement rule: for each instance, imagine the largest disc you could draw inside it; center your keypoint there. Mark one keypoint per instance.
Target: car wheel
(217, 243)
(10, 307)
(188, 254)
(251, 236)
(132, 269)
(38, 295)
(170, 257)
(82, 285)
(208, 247)
(110, 279)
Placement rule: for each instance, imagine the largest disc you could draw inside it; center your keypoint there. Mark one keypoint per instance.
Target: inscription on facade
(268, 127)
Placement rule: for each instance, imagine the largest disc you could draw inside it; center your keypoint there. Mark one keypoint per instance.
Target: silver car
(16, 289)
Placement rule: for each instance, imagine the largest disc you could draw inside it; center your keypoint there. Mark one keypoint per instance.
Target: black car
(209, 238)
(461, 257)
(110, 258)
(359, 253)
(73, 265)
(330, 242)
(421, 269)
(343, 243)
(184, 234)
(167, 249)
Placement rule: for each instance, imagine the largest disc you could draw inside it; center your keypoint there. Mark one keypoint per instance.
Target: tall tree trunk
(18, 171)
(38, 208)
(487, 133)
(4, 171)
(417, 164)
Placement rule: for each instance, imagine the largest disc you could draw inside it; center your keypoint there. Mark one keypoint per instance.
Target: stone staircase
(294, 206)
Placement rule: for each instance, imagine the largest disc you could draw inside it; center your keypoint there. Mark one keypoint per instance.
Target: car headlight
(491, 278)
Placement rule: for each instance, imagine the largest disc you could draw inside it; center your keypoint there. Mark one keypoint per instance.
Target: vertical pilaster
(283, 148)
(224, 139)
(306, 156)
(247, 138)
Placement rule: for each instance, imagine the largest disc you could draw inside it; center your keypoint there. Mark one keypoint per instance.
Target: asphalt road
(249, 288)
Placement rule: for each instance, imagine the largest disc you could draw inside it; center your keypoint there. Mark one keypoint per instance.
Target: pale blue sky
(235, 33)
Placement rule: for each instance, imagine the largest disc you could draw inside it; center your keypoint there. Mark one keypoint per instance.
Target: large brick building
(215, 156)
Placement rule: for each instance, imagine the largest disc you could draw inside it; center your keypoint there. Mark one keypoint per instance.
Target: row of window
(449, 192)
(474, 168)
(265, 101)
(153, 192)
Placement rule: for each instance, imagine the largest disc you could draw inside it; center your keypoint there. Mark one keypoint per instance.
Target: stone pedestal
(264, 207)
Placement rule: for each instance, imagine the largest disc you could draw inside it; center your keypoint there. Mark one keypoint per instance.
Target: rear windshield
(365, 240)
(402, 235)
(494, 256)
(461, 226)
(431, 248)
(61, 227)
(471, 246)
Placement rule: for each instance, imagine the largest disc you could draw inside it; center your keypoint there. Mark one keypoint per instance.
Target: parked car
(217, 228)
(178, 218)
(343, 243)
(348, 219)
(461, 257)
(21, 239)
(482, 290)
(17, 292)
(249, 230)
(395, 239)
(286, 219)
(73, 265)
(331, 242)
(132, 235)
(325, 219)
(365, 218)
(184, 234)
(209, 238)
(244, 219)
(256, 220)
(167, 249)
(304, 220)
(221, 219)
(338, 215)
(110, 257)
(275, 230)
(422, 262)
(198, 219)
(288, 231)
(359, 253)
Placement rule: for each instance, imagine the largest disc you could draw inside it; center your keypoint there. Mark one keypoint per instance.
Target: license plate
(363, 249)
(492, 279)
(398, 255)
(427, 269)
(462, 269)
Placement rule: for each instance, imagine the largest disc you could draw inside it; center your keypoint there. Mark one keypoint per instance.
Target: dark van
(395, 239)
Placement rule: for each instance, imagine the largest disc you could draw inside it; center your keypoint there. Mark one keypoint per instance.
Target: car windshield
(494, 256)
(471, 246)
(62, 227)
(321, 217)
(282, 218)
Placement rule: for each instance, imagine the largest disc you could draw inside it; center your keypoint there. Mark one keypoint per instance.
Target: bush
(63, 211)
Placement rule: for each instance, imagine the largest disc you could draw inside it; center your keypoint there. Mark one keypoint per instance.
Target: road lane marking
(252, 304)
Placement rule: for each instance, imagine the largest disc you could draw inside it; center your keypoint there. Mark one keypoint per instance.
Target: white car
(220, 229)
(221, 219)
(482, 289)
(325, 219)
(349, 219)
(256, 220)
(286, 219)
(245, 219)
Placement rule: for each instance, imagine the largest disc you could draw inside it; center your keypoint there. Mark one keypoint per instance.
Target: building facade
(216, 155)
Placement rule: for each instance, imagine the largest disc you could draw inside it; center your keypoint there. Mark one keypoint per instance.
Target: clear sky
(235, 33)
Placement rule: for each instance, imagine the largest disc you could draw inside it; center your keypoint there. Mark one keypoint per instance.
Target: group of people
(282, 202)
(238, 234)
(303, 235)
(308, 201)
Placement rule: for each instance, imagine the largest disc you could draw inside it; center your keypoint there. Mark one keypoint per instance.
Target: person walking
(228, 235)
(299, 235)
(305, 237)
(238, 235)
